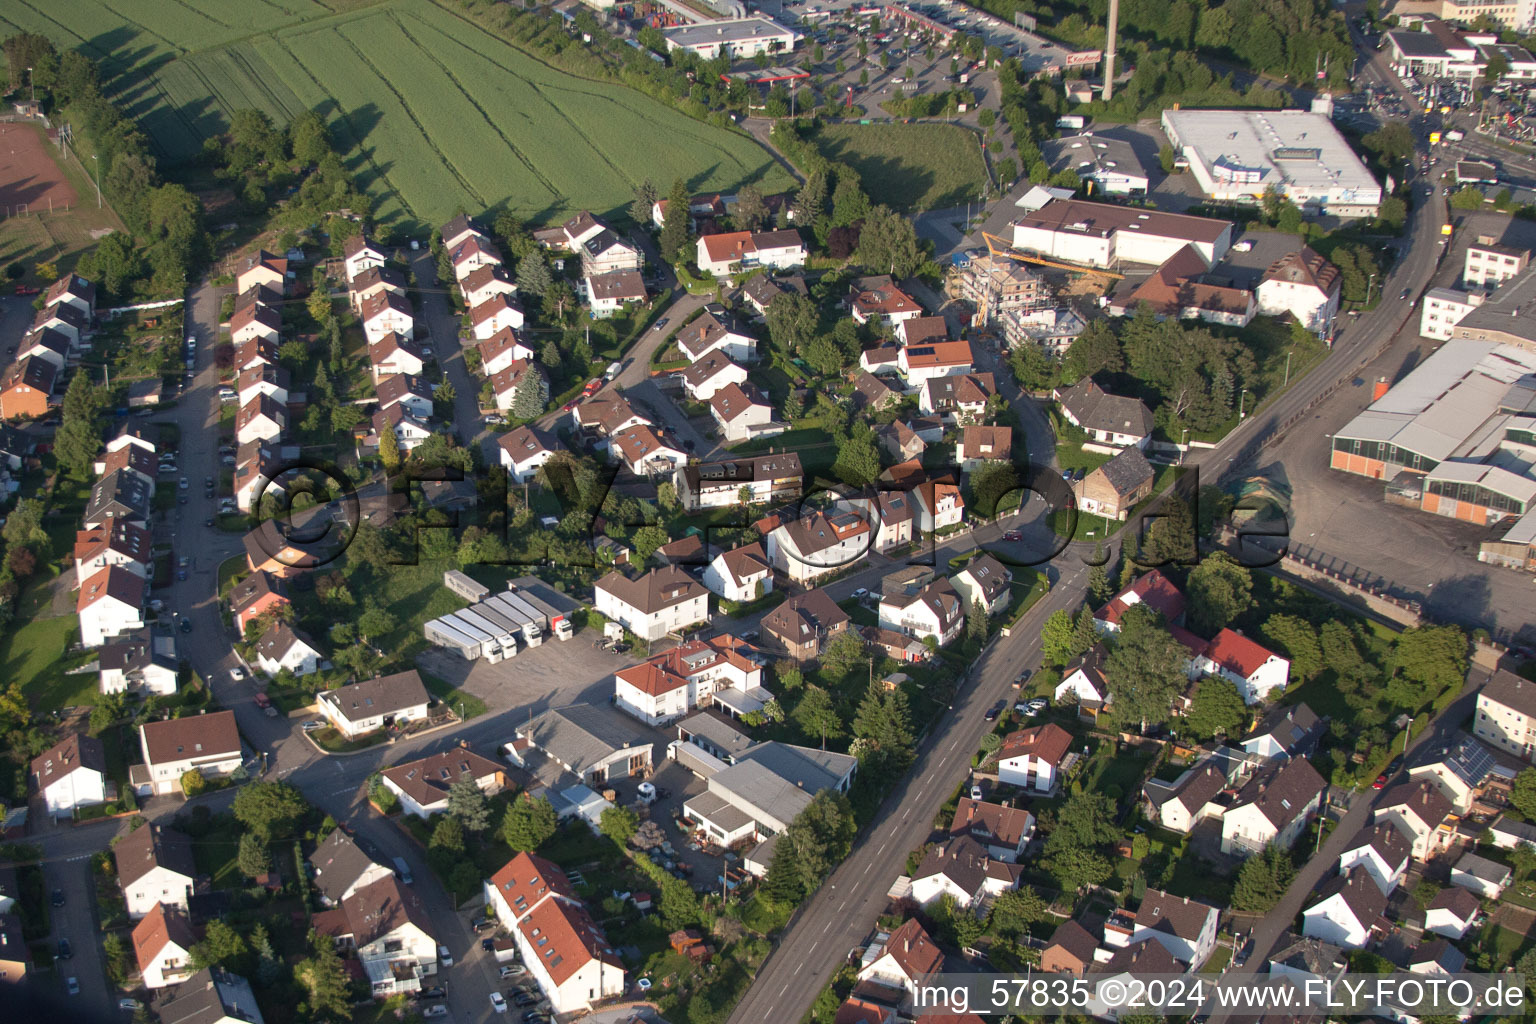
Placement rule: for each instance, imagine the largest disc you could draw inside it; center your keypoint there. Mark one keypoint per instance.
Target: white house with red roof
(257, 320)
(818, 543)
(919, 363)
(387, 313)
(717, 254)
(1031, 758)
(473, 253)
(162, 944)
(110, 602)
(114, 543)
(1154, 590)
(359, 255)
(396, 353)
(741, 412)
(645, 453)
(1255, 670)
(905, 960)
(878, 298)
(501, 350)
(741, 574)
(525, 450)
(700, 673)
(494, 315)
(711, 373)
(264, 269)
(479, 285)
(566, 953)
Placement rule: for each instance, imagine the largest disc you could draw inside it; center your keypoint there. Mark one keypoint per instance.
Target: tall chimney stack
(1109, 50)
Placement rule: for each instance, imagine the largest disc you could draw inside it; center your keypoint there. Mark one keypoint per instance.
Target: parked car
(432, 993)
(512, 970)
(440, 1010)
(238, 674)
(1013, 535)
(861, 593)
(444, 957)
(489, 945)
(404, 871)
(533, 1017)
(128, 1004)
(184, 485)
(58, 897)
(660, 324)
(186, 627)
(995, 710)
(1391, 770)
(524, 998)
(312, 725)
(72, 985)
(975, 792)
(65, 952)
(32, 289)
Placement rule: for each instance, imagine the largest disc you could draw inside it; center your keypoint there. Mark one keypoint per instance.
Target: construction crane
(1001, 247)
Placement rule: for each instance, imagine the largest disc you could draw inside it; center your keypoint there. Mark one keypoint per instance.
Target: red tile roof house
(111, 601)
(1254, 669)
(565, 951)
(473, 253)
(1186, 928)
(359, 254)
(879, 298)
(904, 961)
(209, 743)
(265, 270)
(71, 774)
(361, 708)
(255, 595)
(500, 350)
(422, 785)
(1155, 590)
(482, 283)
(697, 674)
(154, 866)
(717, 254)
(1031, 758)
(742, 413)
(742, 574)
(162, 945)
(255, 321)
(1003, 830)
(494, 315)
(665, 600)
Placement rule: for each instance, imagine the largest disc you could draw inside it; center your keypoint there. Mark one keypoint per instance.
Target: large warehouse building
(1457, 435)
(1236, 155)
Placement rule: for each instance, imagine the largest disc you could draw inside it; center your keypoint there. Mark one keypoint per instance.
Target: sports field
(909, 166)
(433, 112)
(29, 177)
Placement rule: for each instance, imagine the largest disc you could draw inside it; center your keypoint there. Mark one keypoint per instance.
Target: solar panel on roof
(922, 350)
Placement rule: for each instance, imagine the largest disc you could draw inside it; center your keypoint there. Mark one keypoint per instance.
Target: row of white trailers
(496, 627)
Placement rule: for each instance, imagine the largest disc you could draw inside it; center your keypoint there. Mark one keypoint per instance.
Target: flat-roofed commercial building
(1237, 155)
(734, 37)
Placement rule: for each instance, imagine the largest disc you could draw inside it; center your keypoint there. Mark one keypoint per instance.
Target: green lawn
(466, 705)
(34, 656)
(430, 111)
(215, 854)
(909, 166)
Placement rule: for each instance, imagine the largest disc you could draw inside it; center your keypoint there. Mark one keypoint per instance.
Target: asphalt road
(843, 911)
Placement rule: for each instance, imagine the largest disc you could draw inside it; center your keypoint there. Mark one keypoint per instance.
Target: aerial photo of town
(767, 511)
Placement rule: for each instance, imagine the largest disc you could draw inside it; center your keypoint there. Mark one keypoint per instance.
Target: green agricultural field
(432, 112)
(909, 166)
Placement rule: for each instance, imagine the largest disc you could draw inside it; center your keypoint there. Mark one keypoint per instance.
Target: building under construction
(995, 285)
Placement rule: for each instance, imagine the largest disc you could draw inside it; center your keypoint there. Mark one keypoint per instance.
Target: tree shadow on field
(1469, 600)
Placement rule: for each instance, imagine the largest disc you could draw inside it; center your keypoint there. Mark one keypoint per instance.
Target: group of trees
(809, 848)
(169, 241)
(1195, 374)
(1077, 834)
